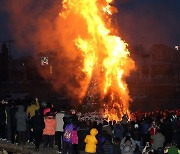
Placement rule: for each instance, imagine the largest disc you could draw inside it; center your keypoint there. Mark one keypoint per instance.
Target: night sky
(139, 21)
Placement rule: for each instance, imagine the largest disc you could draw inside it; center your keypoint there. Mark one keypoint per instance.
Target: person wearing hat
(136, 135)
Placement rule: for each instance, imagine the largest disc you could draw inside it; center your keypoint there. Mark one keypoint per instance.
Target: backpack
(67, 136)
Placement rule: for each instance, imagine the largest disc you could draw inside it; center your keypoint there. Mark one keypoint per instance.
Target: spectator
(59, 130)
(82, 132)
(21, 118)
(32, 108)
(91, 141)
(74, 138)
(107, 128)
(153, 130)
(173, 149)
(136, 135)
(49, 130)
(13, 122)
(37, 125)
(31, 112)
(145, 133)
(101, 139)
(127, 145)
(107, 147)
(116, 146)
(67, 138)
(2, 121)
(118, 131)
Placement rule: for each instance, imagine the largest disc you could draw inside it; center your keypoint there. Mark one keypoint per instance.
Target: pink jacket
(50, 126)
(74, 137)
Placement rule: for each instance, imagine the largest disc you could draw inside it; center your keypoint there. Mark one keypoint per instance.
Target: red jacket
(153, 130)
(50, 126)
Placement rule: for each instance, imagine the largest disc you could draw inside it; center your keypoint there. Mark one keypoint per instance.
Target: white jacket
(59, 122)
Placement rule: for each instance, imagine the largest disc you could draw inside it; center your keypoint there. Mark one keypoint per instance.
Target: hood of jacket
(94, 132)
(20, 108)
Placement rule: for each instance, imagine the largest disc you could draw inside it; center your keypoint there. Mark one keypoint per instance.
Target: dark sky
(139, 21)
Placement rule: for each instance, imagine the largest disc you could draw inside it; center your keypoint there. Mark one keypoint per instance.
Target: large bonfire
(105, 57)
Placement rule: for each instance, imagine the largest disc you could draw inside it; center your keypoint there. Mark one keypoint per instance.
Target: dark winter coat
(107, 147)
(101, 140)
(2, 115)
(13, 119)
(21, 117)
(37, 122)
(118, 131)
(82, 132)
(116, 149)
(136, 134)
(145, 127)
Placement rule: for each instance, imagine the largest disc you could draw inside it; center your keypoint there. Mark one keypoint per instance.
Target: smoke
(36, 27)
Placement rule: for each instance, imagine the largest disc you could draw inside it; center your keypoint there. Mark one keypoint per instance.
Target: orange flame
(104, 54)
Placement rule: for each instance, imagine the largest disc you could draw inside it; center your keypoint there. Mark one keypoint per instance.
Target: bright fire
(106, 59)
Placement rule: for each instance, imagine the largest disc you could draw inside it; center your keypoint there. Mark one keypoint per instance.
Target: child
(91, 141)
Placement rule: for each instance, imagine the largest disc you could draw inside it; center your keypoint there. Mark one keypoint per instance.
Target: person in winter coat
(173, 149)
(101, 139)
(118, 131)
(116, 146)
(31, 112)
(82, 132)
(158, 140)
(107, 128)
(21, 124)
(127, 145)
(2, 121)
(153, 130)
(74, 139)
(37, 126)
(49, 130)
(107, 146)
(91, 141)
(67, 138)
(136, 135)
(59, 129)
(8, 109)
(13, 122)
(145, 133)
(32, 108)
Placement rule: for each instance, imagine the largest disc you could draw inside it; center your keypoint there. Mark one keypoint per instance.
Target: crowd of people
(76, 133)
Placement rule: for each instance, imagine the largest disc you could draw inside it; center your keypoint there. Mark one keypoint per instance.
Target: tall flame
(104, 55)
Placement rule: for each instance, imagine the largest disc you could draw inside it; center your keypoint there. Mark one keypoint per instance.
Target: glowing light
(105, 55)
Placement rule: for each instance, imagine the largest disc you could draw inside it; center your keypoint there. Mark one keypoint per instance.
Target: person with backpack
(67, 138)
